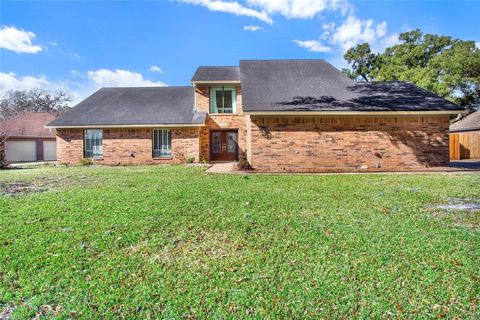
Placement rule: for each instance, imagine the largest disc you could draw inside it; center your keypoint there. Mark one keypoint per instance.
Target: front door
(223, 145)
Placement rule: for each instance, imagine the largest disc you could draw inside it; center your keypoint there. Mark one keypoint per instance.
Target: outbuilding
(27, 138)
(465, 138)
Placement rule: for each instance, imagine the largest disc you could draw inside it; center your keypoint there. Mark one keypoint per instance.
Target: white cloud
(231, 7)
(78, 91)
(349, 33)
(18, 40)
(155, 69)
(79, 84)
(477, 44)
(303, 9)
(53, 43)
(253, 28)
(385, 42)
(120, 78)
(264, 9)
(10, 81)
(74, 55)
(328, 27)
(313, 45)
(75, 73)
(354, 31)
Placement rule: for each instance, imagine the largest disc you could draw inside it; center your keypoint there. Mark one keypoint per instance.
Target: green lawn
(174, 242)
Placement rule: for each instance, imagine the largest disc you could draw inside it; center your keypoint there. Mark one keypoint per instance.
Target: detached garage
(27, 138)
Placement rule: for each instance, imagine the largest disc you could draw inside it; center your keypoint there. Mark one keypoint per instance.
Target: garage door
(16, 151)
(49, 150)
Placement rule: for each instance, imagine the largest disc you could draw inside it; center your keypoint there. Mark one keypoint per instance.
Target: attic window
(223, 100)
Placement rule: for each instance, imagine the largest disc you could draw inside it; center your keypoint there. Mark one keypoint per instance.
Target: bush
(190, 160)
(85, 162)
(244, 165)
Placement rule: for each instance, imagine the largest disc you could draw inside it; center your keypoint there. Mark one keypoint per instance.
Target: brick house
(279, 115)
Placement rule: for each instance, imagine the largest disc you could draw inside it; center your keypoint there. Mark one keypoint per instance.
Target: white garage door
(49, 150)
(16, 151)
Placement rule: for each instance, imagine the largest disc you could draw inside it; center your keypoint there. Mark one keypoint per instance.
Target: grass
(174, 242)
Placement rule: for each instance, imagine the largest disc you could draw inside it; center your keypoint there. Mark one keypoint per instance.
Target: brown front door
(223, 145)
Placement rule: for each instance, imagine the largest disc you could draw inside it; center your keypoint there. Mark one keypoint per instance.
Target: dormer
(217, 89)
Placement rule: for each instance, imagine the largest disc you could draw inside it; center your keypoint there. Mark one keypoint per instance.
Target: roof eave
(464, 130)
(216, 82)
(348, 113)
(30, 137)
(152, 125)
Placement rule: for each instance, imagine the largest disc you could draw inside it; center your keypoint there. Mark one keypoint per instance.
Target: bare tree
(3, 160)
(13, 103)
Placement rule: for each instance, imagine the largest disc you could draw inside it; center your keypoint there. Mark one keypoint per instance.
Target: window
(162, 143)
(223, 100)
(93, 143)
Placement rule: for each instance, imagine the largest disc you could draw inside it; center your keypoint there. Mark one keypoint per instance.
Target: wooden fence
(465, 145)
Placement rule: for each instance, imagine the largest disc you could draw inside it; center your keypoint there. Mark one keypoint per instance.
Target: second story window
(223, 100)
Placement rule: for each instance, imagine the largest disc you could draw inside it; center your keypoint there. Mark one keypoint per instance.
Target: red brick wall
(289, 144)
(120, 144)
(221, 121)
(349, 143)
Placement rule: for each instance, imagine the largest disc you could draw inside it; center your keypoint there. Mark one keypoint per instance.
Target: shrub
(190, 160)
(85, 162)
(244, 165)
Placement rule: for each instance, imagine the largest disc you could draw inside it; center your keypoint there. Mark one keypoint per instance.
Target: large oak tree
(447, 66)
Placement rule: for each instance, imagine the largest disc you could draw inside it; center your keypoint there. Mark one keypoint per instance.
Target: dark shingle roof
(208, 73)
(469, 123)
(315, 85)
(29, 124)
(134, 106)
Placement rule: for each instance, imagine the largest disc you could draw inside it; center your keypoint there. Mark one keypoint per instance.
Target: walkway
(223, 167)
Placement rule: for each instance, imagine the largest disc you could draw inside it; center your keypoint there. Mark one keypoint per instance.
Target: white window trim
(84, 144)
(170, 156)
(213, 98)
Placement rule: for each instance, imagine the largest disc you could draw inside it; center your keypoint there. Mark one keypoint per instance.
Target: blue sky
(82, 46)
